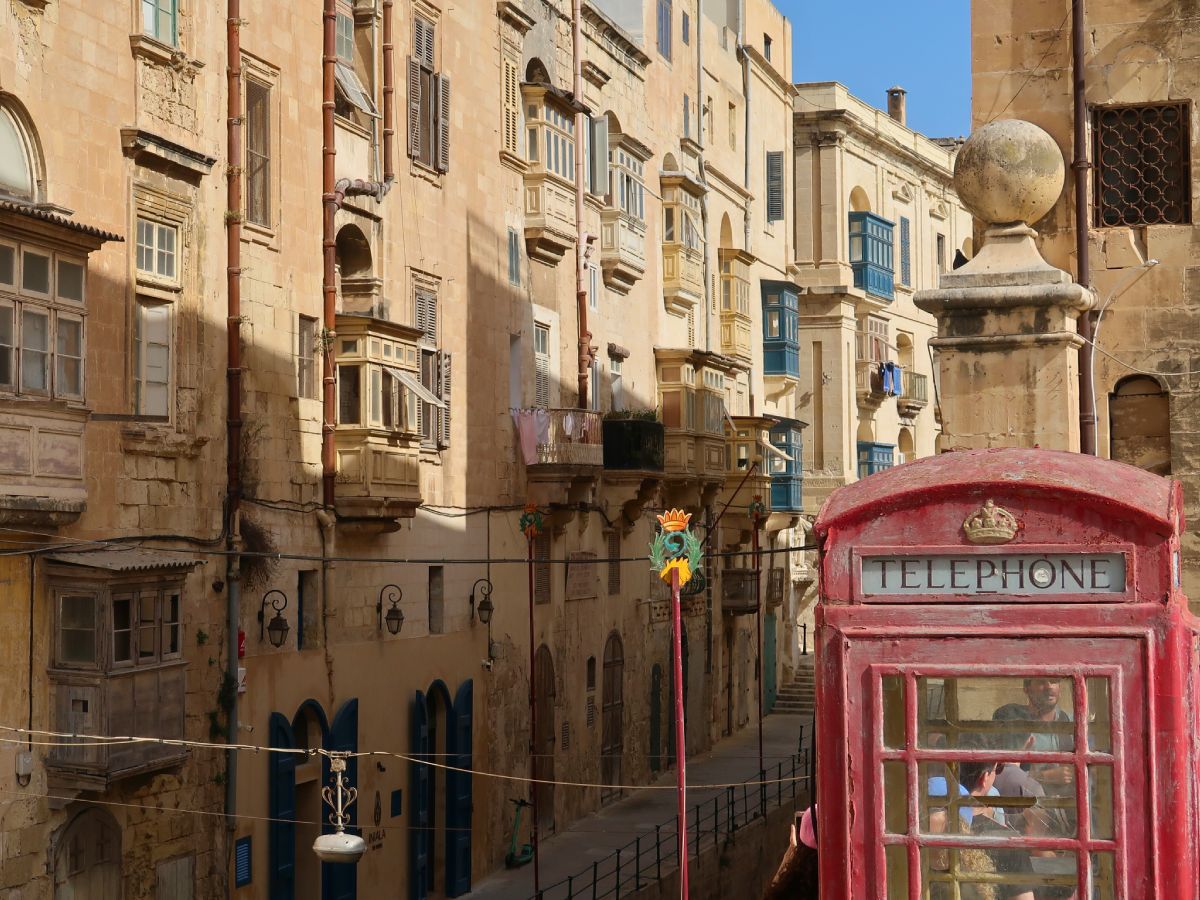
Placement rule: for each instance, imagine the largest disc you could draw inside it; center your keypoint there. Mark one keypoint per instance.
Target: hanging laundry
(541, 421)
(898, 380)
(885, 379)
(526, 434)
(568, 424)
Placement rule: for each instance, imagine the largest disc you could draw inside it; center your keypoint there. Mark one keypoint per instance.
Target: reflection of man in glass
(1043, 695)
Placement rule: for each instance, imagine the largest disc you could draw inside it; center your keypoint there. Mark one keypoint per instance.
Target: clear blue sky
(870, 45)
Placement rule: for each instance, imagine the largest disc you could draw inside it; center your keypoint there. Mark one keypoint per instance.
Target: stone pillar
(1007, 348)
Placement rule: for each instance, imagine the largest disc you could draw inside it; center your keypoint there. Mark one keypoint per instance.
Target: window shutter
(443, 122)
(774, 186)
(614, 562)
(542, 380)
(444, 360)
(426, 317)
(414, 107)
(425, 33)
(512, 107)
(599, 160)
(905, 251)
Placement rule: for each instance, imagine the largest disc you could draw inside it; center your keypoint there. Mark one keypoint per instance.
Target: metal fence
(654, 854)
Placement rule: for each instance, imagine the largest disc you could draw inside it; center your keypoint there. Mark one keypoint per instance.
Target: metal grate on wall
(1142, 161)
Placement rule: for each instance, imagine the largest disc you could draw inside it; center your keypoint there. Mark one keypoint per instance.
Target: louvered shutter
(443, 123)
(614, 562)
(542, 379)
(444, 360)
(419, 801)
(343, 737)
(414, 107)
(424, 31)
(774, 186)
(426, 317)
(281, 808)
(458, 790)
(512, 107)
(905, 251)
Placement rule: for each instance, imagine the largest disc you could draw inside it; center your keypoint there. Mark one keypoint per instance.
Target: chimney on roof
(895, 107)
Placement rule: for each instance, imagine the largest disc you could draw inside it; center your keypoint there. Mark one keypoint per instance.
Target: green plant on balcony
(648, 414)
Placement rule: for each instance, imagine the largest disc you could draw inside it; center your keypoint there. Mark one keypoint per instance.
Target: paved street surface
(595, 837)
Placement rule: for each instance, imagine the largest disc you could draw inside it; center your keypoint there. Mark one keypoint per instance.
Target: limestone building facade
(395, 195)
(876, 219)
(1140, 69)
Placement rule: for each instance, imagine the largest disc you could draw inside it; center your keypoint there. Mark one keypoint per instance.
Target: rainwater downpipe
(1080, 167)
(581, 243)
(746, 137)
(233, 374)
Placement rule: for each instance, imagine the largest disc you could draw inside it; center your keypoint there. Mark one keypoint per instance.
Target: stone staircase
(799, 697)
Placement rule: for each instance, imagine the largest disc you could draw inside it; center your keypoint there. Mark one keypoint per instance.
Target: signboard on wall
(583, 579)
(994, 573)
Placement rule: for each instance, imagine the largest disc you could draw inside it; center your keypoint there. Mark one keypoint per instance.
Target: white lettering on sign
(1054, 573)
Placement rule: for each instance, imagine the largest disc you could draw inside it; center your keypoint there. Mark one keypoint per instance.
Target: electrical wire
(78, 740)
(1034, 71)
(103, 545)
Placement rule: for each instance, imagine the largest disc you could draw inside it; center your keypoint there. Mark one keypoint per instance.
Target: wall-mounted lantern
(277, 629)
(394, 617)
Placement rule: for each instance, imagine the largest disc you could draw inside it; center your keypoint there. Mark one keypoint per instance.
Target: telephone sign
(1041, 574)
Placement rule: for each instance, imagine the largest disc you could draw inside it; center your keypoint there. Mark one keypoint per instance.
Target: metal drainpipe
(233, 330)
(329, 201)
(1083, 270)
(746, 137)
(581, 299)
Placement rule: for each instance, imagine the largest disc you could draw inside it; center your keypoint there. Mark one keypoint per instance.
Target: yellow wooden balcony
(622, 249)
(549, 216)
(683, 277)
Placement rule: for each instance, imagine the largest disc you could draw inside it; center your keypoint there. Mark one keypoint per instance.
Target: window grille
(1142, 165)
(614, 564)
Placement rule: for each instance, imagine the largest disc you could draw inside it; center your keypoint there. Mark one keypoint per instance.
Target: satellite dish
(339, 847)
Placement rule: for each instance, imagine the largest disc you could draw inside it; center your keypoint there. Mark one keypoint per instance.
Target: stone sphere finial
(1009, 172)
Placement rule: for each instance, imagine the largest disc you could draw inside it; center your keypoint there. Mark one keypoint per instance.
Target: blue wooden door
(281, 808)
(769, 675)
(418, 802)
(340, 881)
(458, 795)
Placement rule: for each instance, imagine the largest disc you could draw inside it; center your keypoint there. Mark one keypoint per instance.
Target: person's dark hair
(971, 772)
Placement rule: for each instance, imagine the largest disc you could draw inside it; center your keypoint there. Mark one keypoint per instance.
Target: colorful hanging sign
(675, 548)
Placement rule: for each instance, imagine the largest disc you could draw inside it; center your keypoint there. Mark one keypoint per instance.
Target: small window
(306, 358)
(69, 282)
(941, 253)
(68, 358)
(8, 345)
(437, 601)
(77, 629)
(258, 153)
(152, 359)
(664, 22)
(687, 116)
(156, 248)
(514, 257)
(767, 47)
(1143, 164)
(159, 20)
(349, 380)
(685, 31)
(35, 351)
(35, 272)
(8, 266)
(122, 633)
(170, 624)
(593, 288)
(541, 364)
(345, 37)
(732, 127)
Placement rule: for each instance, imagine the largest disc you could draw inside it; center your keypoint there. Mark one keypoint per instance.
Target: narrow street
(572, 851)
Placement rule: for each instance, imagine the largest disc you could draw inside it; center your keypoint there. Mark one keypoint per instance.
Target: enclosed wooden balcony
(142, 702)
(737, 592)
(915, 394)
(622, 249)
(736, 322)
(549, 216)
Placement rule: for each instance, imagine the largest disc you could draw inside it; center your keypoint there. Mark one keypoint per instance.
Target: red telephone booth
(1006, 680)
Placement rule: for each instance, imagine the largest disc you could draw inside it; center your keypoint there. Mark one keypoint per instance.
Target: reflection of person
(796, 878)
(977, 779)
(1043, 695)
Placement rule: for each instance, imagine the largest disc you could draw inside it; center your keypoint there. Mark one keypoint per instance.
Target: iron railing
(654, 854)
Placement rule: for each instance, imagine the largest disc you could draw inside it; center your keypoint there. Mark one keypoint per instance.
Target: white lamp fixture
(339, 847)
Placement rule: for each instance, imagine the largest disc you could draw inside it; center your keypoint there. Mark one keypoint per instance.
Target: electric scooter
(513, 859)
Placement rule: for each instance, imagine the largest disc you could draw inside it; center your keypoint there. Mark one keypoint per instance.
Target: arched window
(353, 252)
(20, 177)
(905, 448)
(612, 731)
(859, 202)
(1140, 424)
(87, 859)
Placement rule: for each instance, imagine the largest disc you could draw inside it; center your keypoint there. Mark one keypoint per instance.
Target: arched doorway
(905, 446)
(1139, 424)
(87, 858)
(543, 739)
(310, 731)
(612, 717)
